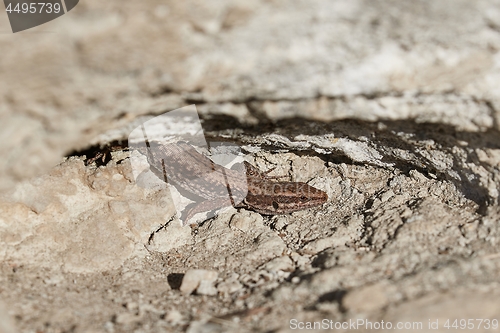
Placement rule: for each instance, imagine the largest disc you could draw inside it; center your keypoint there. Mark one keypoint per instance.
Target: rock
(401, 127)
(268, 246)
(174, 317)
(350, 231)
(443, 307)
(173, 236)
(204, 327)
(206, 288)
(230, 285)
(127, 318)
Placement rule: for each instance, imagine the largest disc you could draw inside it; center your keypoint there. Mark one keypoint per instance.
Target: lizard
(181, 164)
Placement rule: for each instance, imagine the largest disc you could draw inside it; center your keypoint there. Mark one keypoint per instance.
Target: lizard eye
(275, 205)
(303, 198)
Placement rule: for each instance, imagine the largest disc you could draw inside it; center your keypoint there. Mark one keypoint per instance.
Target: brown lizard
(181, 164)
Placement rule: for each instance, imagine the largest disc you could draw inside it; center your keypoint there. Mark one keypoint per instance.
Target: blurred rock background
(67, 81)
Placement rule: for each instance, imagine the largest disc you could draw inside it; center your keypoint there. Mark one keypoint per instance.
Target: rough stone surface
(6, 323)
(197, 279)
(391, 107)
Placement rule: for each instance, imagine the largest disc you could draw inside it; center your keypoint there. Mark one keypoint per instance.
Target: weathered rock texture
(391, 107)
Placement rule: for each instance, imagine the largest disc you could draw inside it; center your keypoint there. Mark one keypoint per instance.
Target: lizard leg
(206, 206)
